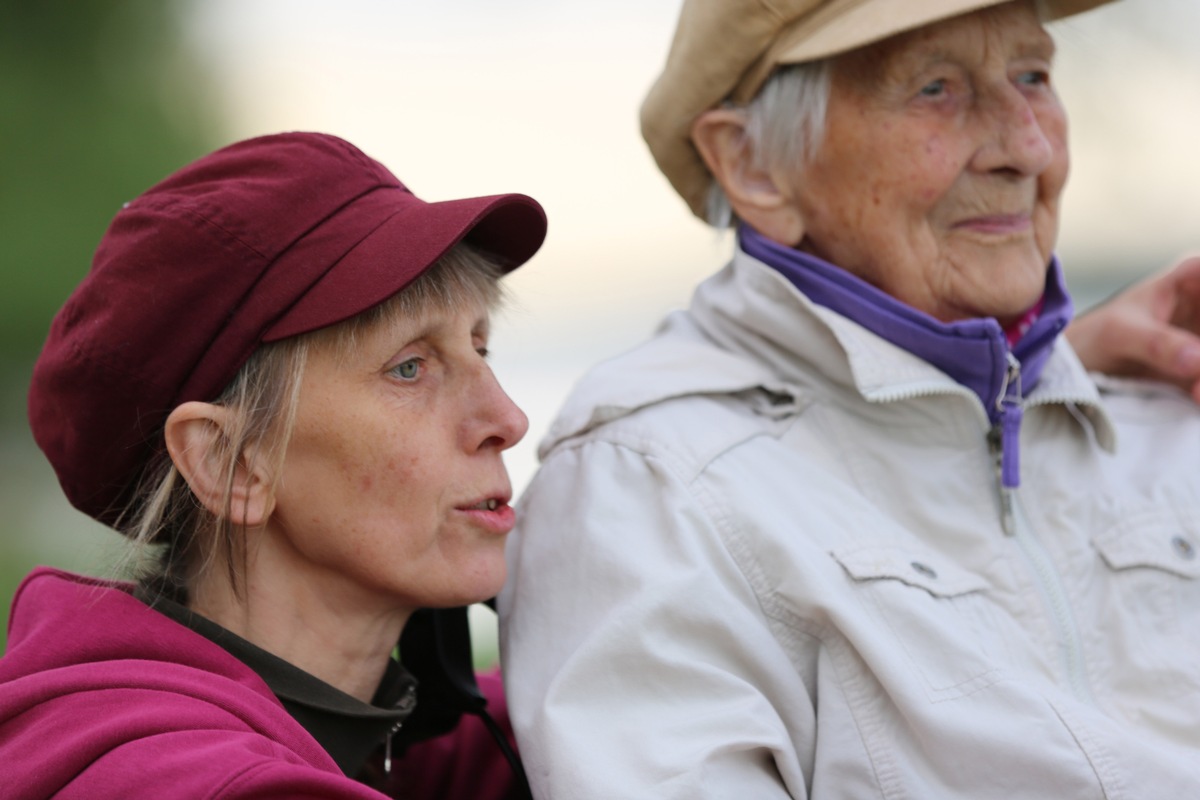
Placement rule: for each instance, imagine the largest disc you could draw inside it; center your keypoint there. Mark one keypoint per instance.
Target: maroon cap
(262, 240)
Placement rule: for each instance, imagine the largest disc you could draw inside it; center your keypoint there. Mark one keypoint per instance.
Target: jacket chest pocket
(938, 622)
(1150, 564)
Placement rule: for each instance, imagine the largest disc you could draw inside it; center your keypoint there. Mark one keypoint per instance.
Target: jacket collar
(973, 352)
(748, 308)
(347, 728)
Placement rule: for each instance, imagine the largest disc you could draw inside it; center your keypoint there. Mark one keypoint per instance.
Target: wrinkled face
(393, 494)
(939, 176)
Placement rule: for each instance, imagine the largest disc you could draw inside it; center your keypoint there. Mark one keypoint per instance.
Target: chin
(1012, 300)
(1010, 313)
(489, 583)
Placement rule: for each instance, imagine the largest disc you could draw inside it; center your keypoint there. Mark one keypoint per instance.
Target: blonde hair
(175, 537)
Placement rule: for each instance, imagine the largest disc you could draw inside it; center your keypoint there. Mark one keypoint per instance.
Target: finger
(1187, 269)
(1183, 285)
(1171, 351)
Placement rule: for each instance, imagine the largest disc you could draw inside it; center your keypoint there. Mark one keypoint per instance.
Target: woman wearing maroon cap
(274, 379)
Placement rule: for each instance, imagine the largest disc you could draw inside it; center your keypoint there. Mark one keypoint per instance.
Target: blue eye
(935, 89)
(407, 370)
(1034, 78)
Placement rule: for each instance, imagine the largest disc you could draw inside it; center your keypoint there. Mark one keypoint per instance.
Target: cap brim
(510, 227)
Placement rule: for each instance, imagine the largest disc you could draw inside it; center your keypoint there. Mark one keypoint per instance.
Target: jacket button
(1183, 548)
(923, 569)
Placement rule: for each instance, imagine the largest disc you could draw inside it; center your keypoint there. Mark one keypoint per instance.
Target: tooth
(492, 504)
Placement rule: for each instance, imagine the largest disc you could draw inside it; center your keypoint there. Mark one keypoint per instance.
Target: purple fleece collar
(972, 352)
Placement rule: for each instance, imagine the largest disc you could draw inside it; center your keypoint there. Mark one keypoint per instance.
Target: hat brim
(838, 28)
(510, 227)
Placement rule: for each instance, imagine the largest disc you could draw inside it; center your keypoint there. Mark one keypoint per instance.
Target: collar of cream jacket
(748, 328)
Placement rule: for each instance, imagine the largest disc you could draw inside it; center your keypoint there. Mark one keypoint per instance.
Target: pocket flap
(912, 565)
(1163, 540)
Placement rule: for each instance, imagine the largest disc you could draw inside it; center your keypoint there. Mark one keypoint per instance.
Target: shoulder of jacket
(690, 431)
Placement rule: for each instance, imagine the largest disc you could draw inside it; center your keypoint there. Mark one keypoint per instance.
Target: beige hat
(726, 49)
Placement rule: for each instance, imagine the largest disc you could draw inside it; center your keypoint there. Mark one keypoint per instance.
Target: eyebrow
(1043, 47)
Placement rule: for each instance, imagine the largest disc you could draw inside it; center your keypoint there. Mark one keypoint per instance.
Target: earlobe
(756, 195)
(197, 439)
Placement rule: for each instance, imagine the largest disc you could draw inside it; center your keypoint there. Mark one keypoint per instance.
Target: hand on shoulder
(1149, 330)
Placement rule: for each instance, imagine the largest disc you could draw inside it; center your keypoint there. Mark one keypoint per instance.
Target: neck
(309, 621)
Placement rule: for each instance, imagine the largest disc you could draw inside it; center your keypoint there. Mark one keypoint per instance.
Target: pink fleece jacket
(102, 697)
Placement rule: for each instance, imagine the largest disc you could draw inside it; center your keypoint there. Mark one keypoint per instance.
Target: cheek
(1052, 121)
(927, 174)
(1054, 178)
(387, 480)
(903, 186)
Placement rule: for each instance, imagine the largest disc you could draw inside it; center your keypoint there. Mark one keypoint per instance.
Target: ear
(757, 196)
(197, 441)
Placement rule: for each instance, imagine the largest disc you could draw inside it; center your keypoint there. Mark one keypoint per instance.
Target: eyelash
(1041, 77)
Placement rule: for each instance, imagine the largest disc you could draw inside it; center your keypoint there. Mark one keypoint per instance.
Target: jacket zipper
(1003, 441)
(1070, 644)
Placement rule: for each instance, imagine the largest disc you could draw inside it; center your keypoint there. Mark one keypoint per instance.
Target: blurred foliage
(99, 99)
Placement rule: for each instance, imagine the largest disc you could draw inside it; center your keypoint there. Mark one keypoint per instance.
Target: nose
(500, 422)
(1015, 142)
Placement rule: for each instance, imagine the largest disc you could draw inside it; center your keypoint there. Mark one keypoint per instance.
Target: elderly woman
(858, 523)
(275, 375)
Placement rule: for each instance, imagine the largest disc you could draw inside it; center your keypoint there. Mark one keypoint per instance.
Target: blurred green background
(98, 101)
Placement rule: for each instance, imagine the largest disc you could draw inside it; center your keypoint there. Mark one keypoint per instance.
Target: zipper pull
(387, 748)
(1004, 440)
(1007, 501)
(1010, 446)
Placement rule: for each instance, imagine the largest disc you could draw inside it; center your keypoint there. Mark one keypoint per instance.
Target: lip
(997, 224)
(499, 520)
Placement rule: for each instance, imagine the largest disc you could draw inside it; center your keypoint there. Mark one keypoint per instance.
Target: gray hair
(175, 537)
(785, 123)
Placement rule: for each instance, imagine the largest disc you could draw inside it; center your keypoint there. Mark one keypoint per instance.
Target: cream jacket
(764, 558)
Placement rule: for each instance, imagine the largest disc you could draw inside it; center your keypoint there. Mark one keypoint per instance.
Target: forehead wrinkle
(1019, 35)
(975, 38)
(430, 321)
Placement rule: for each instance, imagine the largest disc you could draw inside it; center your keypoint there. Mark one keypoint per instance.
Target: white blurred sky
(463, 97)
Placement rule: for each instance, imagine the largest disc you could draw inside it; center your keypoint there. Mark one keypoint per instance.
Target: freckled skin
(368, 510)
(942, 166)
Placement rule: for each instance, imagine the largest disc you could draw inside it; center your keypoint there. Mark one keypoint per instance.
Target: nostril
(495, 442)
